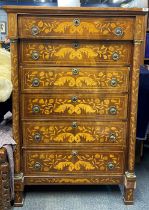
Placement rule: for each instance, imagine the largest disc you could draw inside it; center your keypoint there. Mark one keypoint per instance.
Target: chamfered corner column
(130, 177)
(19, 179)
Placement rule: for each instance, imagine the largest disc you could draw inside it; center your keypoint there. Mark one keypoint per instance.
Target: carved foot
(129, 187)
(19, 188)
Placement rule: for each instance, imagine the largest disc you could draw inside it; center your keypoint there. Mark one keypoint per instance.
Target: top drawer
(64, 27)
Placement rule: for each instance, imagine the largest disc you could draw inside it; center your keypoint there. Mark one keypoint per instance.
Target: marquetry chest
(75, 77)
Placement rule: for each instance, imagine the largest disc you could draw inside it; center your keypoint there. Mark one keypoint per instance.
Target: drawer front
(74, 132)
(53, 27)
(66, 78)
(70, 53)
(73, 162)
(80, 105)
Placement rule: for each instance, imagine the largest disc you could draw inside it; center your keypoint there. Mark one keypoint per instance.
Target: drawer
(78, 53)
(53, 162)
(69, 105)
(57, 133)
(67, 78)
(64, 27)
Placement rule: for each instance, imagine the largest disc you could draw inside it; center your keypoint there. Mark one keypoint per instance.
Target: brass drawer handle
(110, 165)
(114, 82)
(112, 137)
(37, 137)
(115, 56)
(35, 55)
(74, 99)
(36, 82)
(75, 71)
(112, 110)
(76, 22)
(74, 153)
(74, 125)
(36, 109)
(34, 30)
(37, 166)
(75, 45)
(118, 31)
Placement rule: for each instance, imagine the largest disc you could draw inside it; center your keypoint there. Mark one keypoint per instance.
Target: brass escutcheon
(74, 99)
(36, 82)
(112, 137)
(37, 137)
(114, 82)
(74, 153)
(74, 125)
(34, 30)
(75, 71)
(110, 165)
(36, 109)
(112, 110)
(75, 45)
(37, 166)
(118, 31)
(115, 56)
(76, 22)
(35, 55)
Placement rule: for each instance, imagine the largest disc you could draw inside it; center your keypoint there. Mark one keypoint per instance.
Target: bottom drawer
(51, 162)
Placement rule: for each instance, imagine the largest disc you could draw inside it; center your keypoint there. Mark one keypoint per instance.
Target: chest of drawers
(75, 77)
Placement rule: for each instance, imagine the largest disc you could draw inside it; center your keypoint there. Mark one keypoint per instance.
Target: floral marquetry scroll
(75, 53)
(86, 27)
(75, 86)
(73, 161)
(98, 132)
(70, 105)
(90, 78)
(70, 180)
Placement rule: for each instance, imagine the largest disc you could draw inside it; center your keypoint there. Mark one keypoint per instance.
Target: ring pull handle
(74, 153)
(36, 109)
(118, 31)
(74, 125)
(75, 71)
(37, 166)
(35, 82)
(110, 166)
(115, 56)
(76, 22)
(37, 137)
(114, 82)
(112, 110)
(34, 30)
(35, 55)
(74, 99)
(112, 137)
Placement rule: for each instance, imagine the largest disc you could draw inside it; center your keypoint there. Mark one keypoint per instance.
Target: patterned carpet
(89, 197)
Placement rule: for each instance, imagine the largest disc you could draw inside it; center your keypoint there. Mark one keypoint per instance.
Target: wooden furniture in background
(75, 77)
(4, 181)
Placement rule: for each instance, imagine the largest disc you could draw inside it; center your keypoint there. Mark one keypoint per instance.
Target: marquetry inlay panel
(88, 28)
(102, 79)
(67, 133)
(75, 74)
(80, 105)
(73, 161)
(57, 52)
